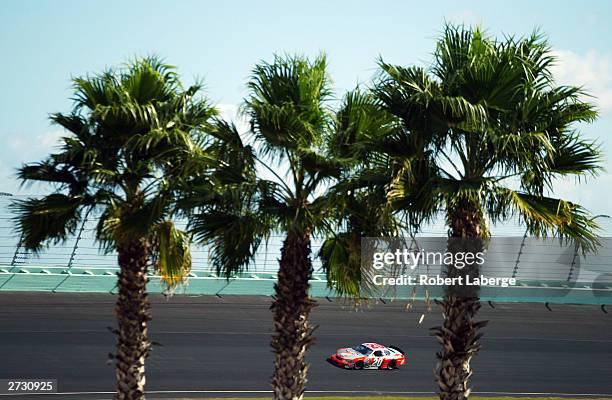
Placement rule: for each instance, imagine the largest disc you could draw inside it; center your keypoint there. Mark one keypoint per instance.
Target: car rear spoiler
(397, 349)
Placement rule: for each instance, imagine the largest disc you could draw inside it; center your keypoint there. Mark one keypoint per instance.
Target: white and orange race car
(368, 356)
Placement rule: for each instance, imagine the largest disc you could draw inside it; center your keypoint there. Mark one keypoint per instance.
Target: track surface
(213, 344)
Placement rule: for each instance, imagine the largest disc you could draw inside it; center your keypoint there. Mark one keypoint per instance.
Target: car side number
(375, 361)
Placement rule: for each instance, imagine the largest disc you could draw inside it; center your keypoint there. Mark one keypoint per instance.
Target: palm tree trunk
(459, 335)
(133, 315)
(291, 309)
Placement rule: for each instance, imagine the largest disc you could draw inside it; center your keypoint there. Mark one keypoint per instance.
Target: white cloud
(50, 140)
(41, 144)
(20, 149)
(592, 69)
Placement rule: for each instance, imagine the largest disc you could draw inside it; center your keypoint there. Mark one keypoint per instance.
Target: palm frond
(174, 254)
(122, 221)
(546, 216)
(234, 238)
(341, 260)
(287, 102)
(47, 220)
(491, 109)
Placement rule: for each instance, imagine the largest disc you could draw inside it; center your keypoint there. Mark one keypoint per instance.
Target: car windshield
(362, 349)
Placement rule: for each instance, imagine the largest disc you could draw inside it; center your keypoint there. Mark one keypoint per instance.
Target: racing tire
(392, 364)
(359, 365)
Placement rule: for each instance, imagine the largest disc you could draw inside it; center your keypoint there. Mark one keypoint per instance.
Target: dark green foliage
(133, 134)
(487, 123)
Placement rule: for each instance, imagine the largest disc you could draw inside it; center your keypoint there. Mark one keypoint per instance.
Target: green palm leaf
(174, 258)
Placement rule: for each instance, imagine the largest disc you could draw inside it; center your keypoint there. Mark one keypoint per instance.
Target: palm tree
(487, 133)
(132, 134)
(276, 186)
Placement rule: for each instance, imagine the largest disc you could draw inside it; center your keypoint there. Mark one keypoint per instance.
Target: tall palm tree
(276, 186)
(489, 134)
(133, 133)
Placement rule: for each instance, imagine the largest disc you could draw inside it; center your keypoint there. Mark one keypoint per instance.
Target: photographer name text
(437, 280)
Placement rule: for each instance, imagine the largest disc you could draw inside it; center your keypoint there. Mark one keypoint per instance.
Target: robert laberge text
(437, 280)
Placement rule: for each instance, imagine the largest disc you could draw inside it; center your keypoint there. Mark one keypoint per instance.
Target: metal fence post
(13, 262)
(573, 264)
(518, 256)
(16, 254)
(74, 250)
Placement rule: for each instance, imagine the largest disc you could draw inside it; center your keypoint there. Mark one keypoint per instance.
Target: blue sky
(44, 43)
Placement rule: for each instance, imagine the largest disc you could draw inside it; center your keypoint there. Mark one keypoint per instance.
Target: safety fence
(546, 271)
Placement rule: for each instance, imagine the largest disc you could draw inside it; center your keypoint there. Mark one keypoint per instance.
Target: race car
(368, 356)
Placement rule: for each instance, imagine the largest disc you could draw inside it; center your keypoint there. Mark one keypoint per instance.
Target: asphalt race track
(215, 347)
